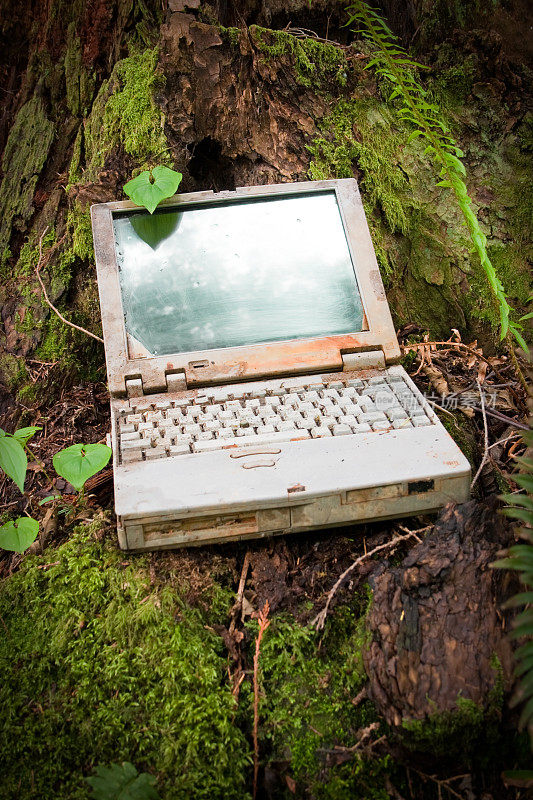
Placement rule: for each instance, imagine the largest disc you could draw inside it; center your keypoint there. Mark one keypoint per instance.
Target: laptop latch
(364, 360)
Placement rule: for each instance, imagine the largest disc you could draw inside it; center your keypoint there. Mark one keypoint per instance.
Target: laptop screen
(233, 274)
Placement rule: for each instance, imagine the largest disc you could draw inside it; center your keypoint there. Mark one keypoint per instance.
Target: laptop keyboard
(267, 413)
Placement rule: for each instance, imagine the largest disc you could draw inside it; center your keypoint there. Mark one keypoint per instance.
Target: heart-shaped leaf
(148, 189)
(23, 434)
(13, 460)
(122, 782)
(18, 535)
(78, 463)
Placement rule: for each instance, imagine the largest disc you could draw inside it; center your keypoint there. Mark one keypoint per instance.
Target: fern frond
(392, 62)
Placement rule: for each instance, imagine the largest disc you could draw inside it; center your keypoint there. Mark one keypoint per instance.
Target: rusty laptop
(253, 370)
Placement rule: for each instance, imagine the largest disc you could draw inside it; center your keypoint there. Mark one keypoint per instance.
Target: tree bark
(438, 634)
(86, 104)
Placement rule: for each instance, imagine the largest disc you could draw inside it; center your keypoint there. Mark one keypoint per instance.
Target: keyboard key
(293, 408)
(130, 437)
(402, 423)
(273, 438)
(381, 425)
(341, 430)
(179, 449)
(396, 413)
(320, 432)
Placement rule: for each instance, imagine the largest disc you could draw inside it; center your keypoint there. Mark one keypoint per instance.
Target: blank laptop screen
(240, 273)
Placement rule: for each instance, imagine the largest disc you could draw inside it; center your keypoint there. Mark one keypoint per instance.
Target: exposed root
(320, 618)
(47, 299)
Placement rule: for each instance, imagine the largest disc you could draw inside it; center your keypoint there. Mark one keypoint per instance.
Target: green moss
(358, 131)
(469, 732)
(233, 35)
(12, 370)
(80, 231)
(124, 113)
(306, 705)
(80, 84)
(100, 666)
(449, 733)
(315, 63)
(27, 394)
(75, 170)
(24, 156)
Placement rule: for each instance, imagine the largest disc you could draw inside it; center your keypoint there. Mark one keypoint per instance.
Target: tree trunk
(95, 90)
(439, 640)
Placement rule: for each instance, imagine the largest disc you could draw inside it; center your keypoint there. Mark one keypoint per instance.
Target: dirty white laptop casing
(248, 492)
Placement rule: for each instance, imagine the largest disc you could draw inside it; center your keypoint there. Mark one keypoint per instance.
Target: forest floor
(112, 657)
(107, 656)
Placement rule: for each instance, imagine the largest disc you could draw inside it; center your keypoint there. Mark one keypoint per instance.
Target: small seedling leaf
(78, 463)
(18, 535)
(48, 498)
(13, 460)
(148, 189)
(122, 782)
(23, 434)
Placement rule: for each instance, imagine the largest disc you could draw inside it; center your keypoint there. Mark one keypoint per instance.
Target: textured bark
(435, 621)
(237, 106)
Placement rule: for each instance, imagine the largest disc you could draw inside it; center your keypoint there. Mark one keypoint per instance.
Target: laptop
(253, 371)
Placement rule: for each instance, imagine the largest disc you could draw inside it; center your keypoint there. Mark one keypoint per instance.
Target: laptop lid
(263, 281)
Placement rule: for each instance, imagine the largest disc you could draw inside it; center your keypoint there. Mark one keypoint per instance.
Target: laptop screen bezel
(230, 364)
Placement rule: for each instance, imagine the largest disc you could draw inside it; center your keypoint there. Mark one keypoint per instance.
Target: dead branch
(264, 622)
(442, 783)
(486, 435)
(237, 607)
(320, 618)
(47, 299)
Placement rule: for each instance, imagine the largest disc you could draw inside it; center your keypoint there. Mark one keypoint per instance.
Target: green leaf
(519, 338)
(47, 499)
(525, 481)
(122, 782)
(23, 434)
(18, 535)
(13, 460)
(80, 462)
(148, 189)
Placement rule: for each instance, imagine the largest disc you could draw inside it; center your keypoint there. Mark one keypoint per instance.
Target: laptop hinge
(174, 382)
(364, 360)
(134, 387)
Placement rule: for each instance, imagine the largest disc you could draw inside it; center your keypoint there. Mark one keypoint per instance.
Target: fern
(520, 559)
(394, 64)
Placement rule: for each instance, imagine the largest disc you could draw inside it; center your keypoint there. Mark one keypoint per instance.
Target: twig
(442, 784)
(486, 432)
(505, 440)
(240, 592)
(320, 618)
(417, 345)
(415, 533)
(264, 622)
(48, 301)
